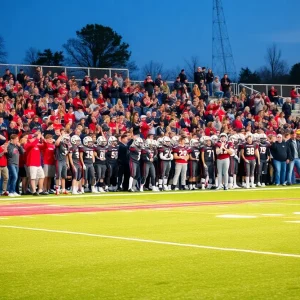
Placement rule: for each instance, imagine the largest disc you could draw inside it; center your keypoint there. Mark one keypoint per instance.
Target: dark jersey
(61, 152)
(195, 152)
(209, 153)
(112, 154)
(135, 154)
(249, 150)
(88, 154)
(101, 155)
(148, 154)
(264, 151)
(74, 150)
(165, 150)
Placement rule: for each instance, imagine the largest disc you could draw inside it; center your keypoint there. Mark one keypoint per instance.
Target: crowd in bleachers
(59, 133)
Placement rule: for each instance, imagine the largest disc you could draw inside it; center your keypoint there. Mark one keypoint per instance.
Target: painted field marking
(131, 239)
(297, 221)
(87, 213)
(4, 218)
(297, 213)
(30, 217)
(147, 194)
(272, 215)
(236, 217)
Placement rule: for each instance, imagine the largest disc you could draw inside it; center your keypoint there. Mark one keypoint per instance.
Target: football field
(240, 244)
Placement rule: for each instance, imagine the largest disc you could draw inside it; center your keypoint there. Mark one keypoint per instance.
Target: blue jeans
(209, 88)
(290, 169)
(113, 101)
(219, 94)
(13, 177)
(280, 171)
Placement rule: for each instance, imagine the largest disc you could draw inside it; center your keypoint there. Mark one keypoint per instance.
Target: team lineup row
(162, 164)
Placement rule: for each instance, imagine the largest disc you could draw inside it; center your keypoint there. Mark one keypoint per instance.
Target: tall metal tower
(222, 58)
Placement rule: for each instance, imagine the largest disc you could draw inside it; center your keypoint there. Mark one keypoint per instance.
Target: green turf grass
(47, 265)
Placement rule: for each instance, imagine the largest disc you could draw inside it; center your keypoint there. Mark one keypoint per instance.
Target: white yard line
(154, 241)
(88, 195)
(4, 218)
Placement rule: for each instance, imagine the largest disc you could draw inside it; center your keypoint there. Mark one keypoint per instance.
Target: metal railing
(283, 89)
(78, 72)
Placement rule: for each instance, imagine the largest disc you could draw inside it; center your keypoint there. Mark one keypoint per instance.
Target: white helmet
(87, 141)
(166, 141)
(159, 142)
(214, 138)
(101, 141)
(138, 142)
(194, 143)
(207, 138)
(256, 137)
(66, 139)
(263, 137)
(186, 141)
(112, 141)
(154, 143)
(223, 134)
(75, 140)
(175, 140)
(249, 134)
(241, 137)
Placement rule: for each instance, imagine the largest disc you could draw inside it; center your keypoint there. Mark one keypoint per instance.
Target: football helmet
(112, 141)
(194, 143)
(166, 141)
(138, 142)
(75, 140)
(88, 141)
(101, 141)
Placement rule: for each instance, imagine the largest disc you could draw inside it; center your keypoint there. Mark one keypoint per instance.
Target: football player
(86, 154)
(148, 157)
(75, 166)
(112, 163)
(63, 146)
(135, 151)
(264, 155)
(194, 163)
(165, 156)
(100, 162)
(249, 153)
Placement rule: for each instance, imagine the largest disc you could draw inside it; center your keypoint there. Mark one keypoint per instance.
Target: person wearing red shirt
(29, 112)
(63, 77)
(145, 127)
(77, 101)
(69, 117)
(48, 151)
(3, 169)
(209, 130)
(237, 123)
(33, 163)
(57, 124)
(223, 150)
(294, 95)
(181, 156)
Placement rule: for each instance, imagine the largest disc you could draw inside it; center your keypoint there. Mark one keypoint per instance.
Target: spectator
(217, 88)
(294, 146)
(14, 150)
(149, 85)
(294, 95)
(281, 158)
(274, 97)
(225, 83)
(3, 169)
(287, 107)
(158, 80)
(21, 77)
(182, 76)
(198, 76)
(258, 103)
(209, 81)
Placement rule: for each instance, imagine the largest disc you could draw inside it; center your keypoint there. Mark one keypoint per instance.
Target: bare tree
(276, 66)
(3, 53)
(153, 68)
(31, 56)
(191, 66)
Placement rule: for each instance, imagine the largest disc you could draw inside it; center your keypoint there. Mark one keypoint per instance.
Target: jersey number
(182, 153)
(250, 151)
(89, 154)
(263, 150)
(114, 154)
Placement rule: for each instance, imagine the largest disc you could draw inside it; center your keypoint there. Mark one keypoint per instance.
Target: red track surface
(47, 209)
